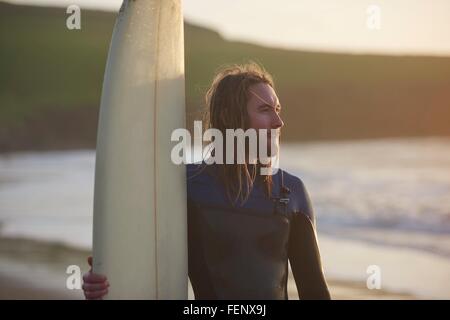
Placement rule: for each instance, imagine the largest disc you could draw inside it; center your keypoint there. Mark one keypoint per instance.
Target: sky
(414, 27)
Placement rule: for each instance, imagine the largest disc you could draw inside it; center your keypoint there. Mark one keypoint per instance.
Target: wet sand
(32, 269)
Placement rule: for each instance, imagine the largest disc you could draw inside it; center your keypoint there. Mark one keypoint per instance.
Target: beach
(379, 204)
(37, 270)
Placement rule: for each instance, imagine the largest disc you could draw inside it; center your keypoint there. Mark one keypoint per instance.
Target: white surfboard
(140, 223)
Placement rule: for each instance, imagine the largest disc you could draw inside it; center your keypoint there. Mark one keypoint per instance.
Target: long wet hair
(226, 108)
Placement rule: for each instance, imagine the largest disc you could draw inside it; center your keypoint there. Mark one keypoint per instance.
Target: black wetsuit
(242, 252)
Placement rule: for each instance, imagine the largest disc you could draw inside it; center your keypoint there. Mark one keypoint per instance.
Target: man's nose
(277, 122)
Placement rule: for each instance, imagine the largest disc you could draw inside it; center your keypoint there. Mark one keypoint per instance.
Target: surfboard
(140, 223)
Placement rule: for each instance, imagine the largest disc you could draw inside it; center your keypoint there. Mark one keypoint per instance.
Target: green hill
(51, 79)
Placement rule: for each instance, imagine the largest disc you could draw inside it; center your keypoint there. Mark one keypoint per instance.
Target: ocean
(388, 193)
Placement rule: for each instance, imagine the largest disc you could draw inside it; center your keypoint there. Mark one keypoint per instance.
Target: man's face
(264, 110)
